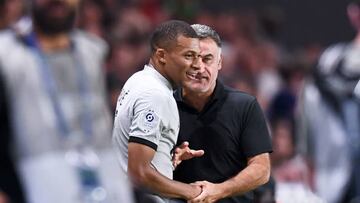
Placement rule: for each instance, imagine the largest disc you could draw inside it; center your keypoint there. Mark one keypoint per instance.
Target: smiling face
(181, 61)
(203, 80)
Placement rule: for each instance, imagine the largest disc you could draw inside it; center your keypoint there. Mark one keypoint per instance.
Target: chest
(216, 129)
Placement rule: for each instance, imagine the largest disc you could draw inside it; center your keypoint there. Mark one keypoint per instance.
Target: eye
(207, 60)
(189, 56)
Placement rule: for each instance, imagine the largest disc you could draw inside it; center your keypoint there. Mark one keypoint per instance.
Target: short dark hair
(167, 33)
(204, 31)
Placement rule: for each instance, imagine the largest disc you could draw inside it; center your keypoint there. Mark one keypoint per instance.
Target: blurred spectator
(59, 116)
(182, 9)
(283, 105)
(331, 111)
(288, 168)
(10, 12)
(129, 49)
(96, 17)
(250, 56)
(154, 11)
(10, 188)
(91, 16)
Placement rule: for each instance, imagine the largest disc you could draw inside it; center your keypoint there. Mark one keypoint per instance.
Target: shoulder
(11, 46)
(7, 38)
(89, 41)
(240, 103)
(7, 34)
(334, 49)
(331, 56)
(238, 97)
(153, 97)
(146, 84)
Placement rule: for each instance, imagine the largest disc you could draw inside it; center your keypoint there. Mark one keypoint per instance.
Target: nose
(198, 64)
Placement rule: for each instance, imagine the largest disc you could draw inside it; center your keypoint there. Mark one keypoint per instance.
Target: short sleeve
(255, 138)
(147, 118)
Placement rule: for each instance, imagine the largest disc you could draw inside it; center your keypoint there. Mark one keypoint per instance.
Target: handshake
(208, 192)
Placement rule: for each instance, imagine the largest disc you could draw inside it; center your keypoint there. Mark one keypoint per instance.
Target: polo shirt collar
(217, 94)
(150, 69)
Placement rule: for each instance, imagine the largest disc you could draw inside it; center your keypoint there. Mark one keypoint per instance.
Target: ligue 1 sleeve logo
(149, 117)
(149, 120)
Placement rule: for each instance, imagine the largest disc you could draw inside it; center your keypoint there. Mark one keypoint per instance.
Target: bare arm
(141, 172)
(254, 175)
(3, 197)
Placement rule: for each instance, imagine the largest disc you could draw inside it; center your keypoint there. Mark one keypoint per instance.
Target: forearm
(143, 174)
(3, 197)
(254, 175)
(159, 184)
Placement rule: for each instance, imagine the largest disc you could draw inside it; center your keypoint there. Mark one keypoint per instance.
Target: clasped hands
(210, 192)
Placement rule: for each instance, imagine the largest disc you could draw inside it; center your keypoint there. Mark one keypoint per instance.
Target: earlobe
(162, 60)
(220, 63)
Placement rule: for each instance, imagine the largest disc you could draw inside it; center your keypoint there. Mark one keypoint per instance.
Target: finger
(200, 197)
(196, 183)
(177, 150)
(197, 153)
(178, 162)
(208, 200)
(199, 183)
(184, 144)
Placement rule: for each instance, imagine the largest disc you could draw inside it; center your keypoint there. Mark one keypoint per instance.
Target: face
(354, 15)
(181, 61)
(204, 79)
(54, 16)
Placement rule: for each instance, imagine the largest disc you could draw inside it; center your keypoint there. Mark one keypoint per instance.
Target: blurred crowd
(254, 62)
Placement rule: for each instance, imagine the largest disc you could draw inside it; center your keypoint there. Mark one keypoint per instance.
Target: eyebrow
(191, 51)
(208, 55)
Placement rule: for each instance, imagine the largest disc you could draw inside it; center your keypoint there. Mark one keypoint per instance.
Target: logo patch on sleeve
(149, 117)
(149, 120)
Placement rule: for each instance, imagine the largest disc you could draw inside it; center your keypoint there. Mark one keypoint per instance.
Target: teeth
(195, 76)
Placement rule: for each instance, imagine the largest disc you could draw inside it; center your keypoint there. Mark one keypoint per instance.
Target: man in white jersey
(146, 119)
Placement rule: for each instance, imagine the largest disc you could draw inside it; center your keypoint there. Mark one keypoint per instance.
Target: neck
(50, 43)
(195, 99)
(159, 68)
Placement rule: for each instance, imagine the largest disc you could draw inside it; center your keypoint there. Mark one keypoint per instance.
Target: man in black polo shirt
(228, 125)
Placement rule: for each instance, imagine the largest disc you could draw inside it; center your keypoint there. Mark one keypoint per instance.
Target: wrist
(224, 189)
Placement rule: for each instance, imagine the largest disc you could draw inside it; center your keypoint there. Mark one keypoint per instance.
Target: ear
(220, 62)
(160, 55)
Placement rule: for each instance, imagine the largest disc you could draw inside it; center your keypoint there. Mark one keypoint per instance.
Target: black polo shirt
(230, 129)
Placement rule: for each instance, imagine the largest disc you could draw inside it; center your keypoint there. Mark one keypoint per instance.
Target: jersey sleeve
(255, 138)
(146, 124)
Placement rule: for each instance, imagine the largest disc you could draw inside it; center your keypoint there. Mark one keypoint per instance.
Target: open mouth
(195, 76)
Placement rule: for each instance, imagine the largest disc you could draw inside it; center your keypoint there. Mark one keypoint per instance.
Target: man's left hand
(183, 152)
